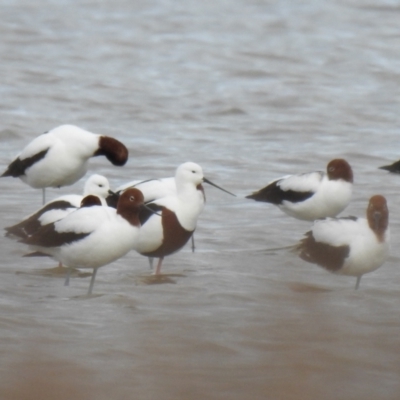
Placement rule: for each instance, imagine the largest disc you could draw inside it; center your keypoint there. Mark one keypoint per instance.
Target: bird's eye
(193, 172)
(132, 198)
(100, 185)
(331, 169)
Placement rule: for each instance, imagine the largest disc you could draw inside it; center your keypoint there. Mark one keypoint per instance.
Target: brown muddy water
(250, 90)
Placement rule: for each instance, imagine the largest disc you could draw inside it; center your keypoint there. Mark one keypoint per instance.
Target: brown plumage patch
(329, 257)
(90, 201)
(115, 151)
(378, 216)
(339, 169)
(174, 235)
(129, 205)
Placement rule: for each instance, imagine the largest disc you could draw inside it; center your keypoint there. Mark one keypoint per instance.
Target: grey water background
(250, 90)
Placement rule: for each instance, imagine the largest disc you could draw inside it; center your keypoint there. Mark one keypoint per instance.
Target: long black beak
(218, 187)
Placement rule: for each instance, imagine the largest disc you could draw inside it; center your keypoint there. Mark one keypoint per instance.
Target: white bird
(60, 207)
(350, 246)
(311, 196)
(92, 237)
(60, 157)
(152, 189)
(163, 235)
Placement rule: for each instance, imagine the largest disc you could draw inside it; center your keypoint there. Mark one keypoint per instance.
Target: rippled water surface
(250, 90)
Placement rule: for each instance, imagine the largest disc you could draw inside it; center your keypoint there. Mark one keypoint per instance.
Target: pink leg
(158, 269)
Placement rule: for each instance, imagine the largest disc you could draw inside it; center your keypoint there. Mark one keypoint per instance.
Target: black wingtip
(394, 168)
(263, 196)
(251, 196)
(15, 233)
(9, 172)
(390, 168)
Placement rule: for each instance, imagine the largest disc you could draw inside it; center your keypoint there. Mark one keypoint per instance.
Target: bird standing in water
(93, 236)
(350, 246)
(313, 195)
(60, 157)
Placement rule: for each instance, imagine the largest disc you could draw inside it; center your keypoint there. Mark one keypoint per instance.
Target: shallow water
(250, 90)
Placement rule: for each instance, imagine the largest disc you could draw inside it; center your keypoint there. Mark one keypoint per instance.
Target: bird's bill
(218, 187)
